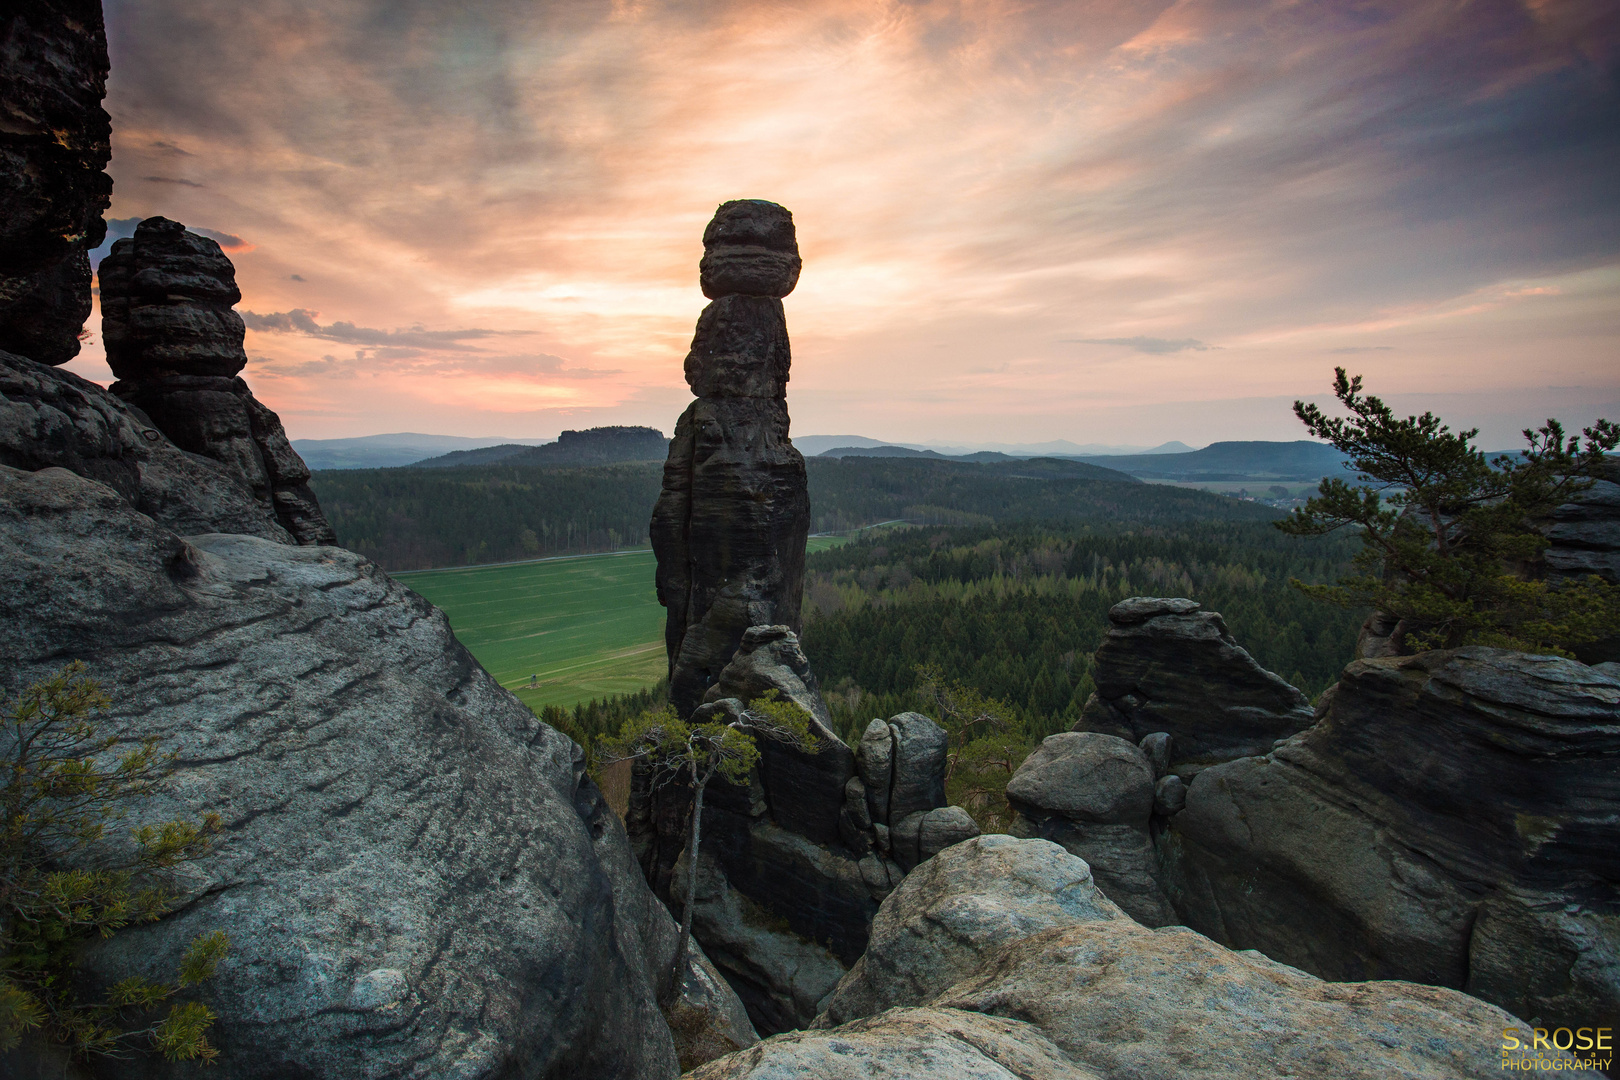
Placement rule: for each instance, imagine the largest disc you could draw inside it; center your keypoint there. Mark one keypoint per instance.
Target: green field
(587, 626)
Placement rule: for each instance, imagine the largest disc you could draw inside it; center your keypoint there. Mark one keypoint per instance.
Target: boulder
(1015, 929)
(1130, 1002)
(54, 143)
(1167, 666)
(730, 523)
(1094, 795)
(1451, 820)
(906, 1044)
(175, 344)
(749, 249)
(416, 875)
(957, 910)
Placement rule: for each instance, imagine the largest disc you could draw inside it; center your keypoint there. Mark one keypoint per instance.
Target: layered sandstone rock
(175, 344)
(1094, 794)
(415, 874)
(1167, 666)
(730, 526)
(1015, 930)
(55, 140)
(1450, 820)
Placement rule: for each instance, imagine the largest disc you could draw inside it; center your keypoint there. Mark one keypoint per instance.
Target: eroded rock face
(175, 343)
(55, 140)
(1167, 666)
(906, 1044)
(1585, 536)
(1094, 794)
(415, 874)
(52, 418)
(730, 525)
(1451, 820)
(1015, 929)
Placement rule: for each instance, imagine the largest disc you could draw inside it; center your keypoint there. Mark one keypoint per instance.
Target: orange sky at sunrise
(1104, 221)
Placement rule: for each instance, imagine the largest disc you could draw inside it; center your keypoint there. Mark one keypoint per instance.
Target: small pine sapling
(720, 740)
(64, 883)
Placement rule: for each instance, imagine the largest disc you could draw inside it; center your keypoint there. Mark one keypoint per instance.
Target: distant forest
(419, 519)
(1017, 612)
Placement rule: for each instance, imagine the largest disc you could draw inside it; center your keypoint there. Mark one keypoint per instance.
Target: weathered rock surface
(901, 793)
(1015, 929)
(1130, 1002)
(175, 344)
(730, 524)
(416, 876)
(906, 1044)
(1167, 666)
(749, 249)
(956, 911)
(1451, 820)
(55, 140)
(1585, 539)
(1094, 794)
(52, 418)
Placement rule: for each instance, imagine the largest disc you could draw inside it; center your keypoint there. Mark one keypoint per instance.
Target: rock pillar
(55, 140)
(175, 344)
(730, 525)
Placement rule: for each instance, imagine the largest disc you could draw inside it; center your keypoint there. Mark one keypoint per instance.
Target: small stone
(1169, 796)
(1158, 747)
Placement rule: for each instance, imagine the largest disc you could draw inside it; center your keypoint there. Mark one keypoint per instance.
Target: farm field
(588, 626)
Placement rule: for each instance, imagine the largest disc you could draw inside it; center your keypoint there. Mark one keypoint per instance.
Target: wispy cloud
(1157, 346)
(1350, 350)
(416, 338)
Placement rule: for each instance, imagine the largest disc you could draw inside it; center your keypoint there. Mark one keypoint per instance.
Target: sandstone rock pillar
(175, 344)
(729, 527)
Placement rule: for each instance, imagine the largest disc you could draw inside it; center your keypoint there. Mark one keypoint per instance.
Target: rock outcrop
(730, 525)
(1450, 820)
(1585, 539)
(52, 418)
(175, 344)
(55, 142)
(1167, 666)
(998, 928)
(415, 874)
(1094, 795)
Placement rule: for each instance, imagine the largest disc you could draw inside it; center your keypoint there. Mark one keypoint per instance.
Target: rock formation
(1000, 958)
(55, 140)
(1166, 666)
(1094, 794)
(794, 863)
(415, 872)
(1585, 536)
(175, 345)
(1450, 820)
(730, 525)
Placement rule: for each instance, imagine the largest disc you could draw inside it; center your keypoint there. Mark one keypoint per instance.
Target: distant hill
(486, 455)
(390, 451)
(846, 445)
(596, 446)
(882, 451)
(1045, 468)
(1302, 460)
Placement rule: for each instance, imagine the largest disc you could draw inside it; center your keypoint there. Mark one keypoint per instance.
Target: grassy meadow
(588, 626)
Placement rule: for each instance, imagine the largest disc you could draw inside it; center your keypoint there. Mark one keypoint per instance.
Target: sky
(1108, 221)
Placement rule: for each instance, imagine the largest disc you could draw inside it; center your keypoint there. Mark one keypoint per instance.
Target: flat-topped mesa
(731, 522)
(175, 344)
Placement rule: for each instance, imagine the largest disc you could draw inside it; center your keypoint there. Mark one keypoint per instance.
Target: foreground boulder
(416, 876)
(1453, 819)
(1020, 934)
(1167, 666)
